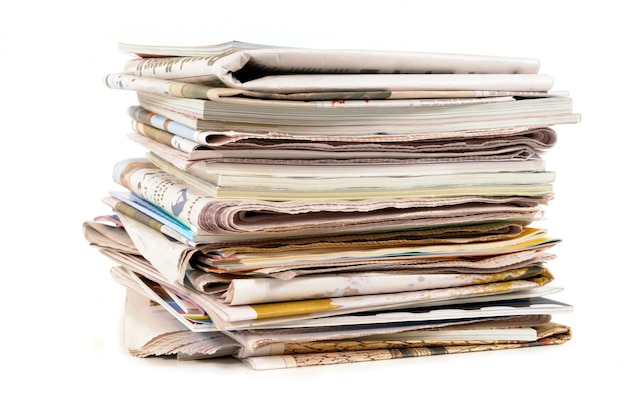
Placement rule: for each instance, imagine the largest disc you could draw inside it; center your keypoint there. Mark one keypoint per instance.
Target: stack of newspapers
(300, 207)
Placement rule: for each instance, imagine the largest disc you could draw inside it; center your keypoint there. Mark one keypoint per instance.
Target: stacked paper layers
(302, 207)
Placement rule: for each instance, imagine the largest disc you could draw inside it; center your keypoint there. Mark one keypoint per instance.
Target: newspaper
(548, 334)
(383, 90)
(182, 145)
(151, 332)
(223, 216)
(299, 182)
(253, 261)
(183, 153)
(325, 311)
(297, 69)
(541, 138)
(446, 306)
(156, 264)
(265, 290)
(175, 264)
(462, 231)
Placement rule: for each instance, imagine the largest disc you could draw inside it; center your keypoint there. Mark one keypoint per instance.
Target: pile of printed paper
(302, 207)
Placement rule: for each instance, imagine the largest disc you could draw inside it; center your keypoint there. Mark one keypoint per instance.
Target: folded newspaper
(151, 331)
(162, 262)
(286, 70)
(182, 145)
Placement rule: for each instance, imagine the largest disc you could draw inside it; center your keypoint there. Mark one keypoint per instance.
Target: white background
(63, 130)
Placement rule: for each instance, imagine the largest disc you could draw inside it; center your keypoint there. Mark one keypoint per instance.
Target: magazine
(289, 218)
(257, 116)
(357, 182)
(131, 172)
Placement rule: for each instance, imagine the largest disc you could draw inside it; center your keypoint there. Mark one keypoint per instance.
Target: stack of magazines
(300, 207)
